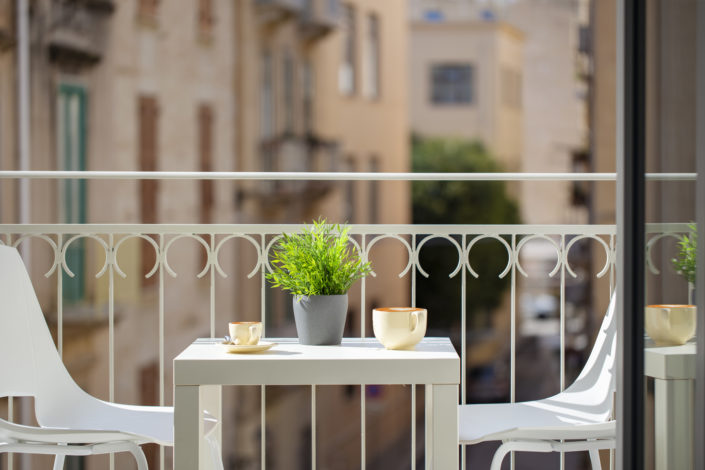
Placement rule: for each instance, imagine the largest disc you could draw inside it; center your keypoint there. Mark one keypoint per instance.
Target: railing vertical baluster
(313, 427)
(10, 417)
(211, 254)
(263, 319)
(563, 259)
(10, 400)
(463, 338)
(413, 386)
(612, 266)
(111, 331)
(612, 274)
(512, 312)
(59, 297)
(161, 335)
(363, 284)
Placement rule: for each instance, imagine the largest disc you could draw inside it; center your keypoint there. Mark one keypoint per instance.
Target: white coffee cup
(670, 324)
(399, 327)
(245, 332)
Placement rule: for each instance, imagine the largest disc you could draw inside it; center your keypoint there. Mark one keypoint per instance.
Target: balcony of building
(6, 33)
(76, 32)
(294, 153)
(275, 11)
(319, 18)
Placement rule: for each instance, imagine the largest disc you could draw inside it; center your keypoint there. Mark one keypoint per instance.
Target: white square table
(204, 367)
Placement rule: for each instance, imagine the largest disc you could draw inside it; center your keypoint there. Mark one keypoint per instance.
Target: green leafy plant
(685, 263)
(317, 261)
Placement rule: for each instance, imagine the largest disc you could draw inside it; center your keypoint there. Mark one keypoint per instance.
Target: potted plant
(318, 267)
(685, 263)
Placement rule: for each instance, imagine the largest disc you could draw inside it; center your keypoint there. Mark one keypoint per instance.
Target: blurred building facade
(211, 85)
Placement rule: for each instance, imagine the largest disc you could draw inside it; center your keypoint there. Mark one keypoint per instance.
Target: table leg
(441, 427)
(211, 403)
(673, 423)
(187, 422)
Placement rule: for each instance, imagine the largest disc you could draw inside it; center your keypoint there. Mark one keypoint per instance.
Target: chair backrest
(594, 387)
(29, 362)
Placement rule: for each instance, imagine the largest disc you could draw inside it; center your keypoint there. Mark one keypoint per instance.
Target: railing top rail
(329, 176)
(371, 229)
(273, 229)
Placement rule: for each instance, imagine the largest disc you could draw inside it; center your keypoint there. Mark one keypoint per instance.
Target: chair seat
(540, 419)
(150, 423)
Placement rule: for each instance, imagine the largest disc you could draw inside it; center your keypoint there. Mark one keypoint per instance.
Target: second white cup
(399, 327)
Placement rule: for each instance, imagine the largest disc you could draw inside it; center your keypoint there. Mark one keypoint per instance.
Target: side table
(673, 371)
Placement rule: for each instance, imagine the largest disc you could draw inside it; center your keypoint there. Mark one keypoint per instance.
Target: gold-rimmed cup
(245, 332)
(399, 327)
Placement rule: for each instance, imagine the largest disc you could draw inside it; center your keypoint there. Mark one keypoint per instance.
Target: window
(308, 85)
(288, 71)
(71, 150)
(205, 19)
(148, 114)
(347, 73)
(350, 193)
(373, 57)
(267, 96)
(205, 151)
(433, 16)
(147, 10)
(511, 88)
(580, 194)
(374, 195)
(452, 84)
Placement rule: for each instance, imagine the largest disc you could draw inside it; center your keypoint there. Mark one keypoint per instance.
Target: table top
(355, 361)
(669, 362)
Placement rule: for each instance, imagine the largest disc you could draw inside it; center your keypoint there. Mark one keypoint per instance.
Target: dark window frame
(447, 85)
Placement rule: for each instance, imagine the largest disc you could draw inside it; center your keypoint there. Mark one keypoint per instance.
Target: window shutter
(148, 114)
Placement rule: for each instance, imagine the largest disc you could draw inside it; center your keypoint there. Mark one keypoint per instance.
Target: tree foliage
(460, 202)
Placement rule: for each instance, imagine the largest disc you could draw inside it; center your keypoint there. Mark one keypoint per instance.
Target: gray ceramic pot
(320, 319)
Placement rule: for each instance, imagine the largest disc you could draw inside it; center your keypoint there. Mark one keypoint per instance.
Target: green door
(71, 134)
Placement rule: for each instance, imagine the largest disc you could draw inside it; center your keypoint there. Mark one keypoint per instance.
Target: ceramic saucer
(247, 348)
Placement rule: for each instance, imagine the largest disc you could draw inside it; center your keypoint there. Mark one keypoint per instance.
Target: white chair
(577, 419)
(71, 421)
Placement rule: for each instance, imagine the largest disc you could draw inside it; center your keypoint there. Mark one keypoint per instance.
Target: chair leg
(59, 462)
(595, 459)
(137, 452)
(499, 455)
